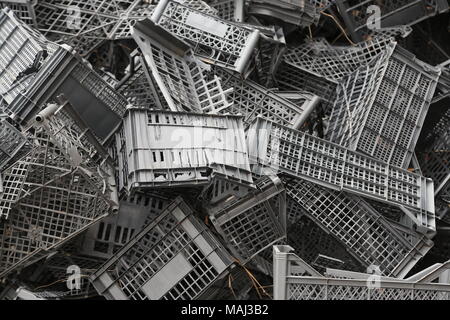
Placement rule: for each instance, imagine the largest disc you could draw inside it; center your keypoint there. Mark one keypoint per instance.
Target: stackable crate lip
(287, 285)
(252, 99)
(391, 185)
(238, 50)
(404, 11)
(11, 143)
(185, 82)
(392, 136)
(267, 188)
(380, 234)
(101, 275)
(137, 119)
(64, 68)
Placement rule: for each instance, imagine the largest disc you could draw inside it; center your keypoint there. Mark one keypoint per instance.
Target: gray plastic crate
(184, 81)
(252, 100)
(94, 19)
(380, 108)
(288, 78)
(254, 222)
(110, 234)
(290, 286)
(393, 13)
(231, 10)
(174, 257)
(98, 104)
(12, 143)
(309, 241)
(333, 63)
(23, 9)
(368, 237)
(301, 13)
(22, 50)
(214, 40)
(298, 154)
(57, 182)
(168, 149)
(136, 86)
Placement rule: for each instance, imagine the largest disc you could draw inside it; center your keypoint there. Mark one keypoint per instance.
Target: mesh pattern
(20, 49)
(176, 246)
(109, 235)
(183, 81)
(331, 62)
(165, 148)
(380, 109)
(309, 241)
(49, 199)
(302, 155)
(252, 100)
(216, 41)
(24, 10)
(254, 222)
(366, 234)
(11, 142)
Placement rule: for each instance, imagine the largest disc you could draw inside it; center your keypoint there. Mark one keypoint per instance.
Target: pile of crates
(224, 149)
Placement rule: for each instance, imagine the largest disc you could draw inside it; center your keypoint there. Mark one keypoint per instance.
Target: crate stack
(224, 149)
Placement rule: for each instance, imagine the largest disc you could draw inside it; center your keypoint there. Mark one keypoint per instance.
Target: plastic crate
(252, 100)
(23, 9)
(98, 104)
(380, 109)
(184, 81)
(216, 41)
(174, 257)
(254, 222)
(301, 13)
(96, 18)
(289, 286)
(58, 182)
(22, 51)
(136, 86)
(168, 149)
(393, 13)
(110, 234)
(298, 154)
(288, 78)
(333, 63)
(309, 241)
(231, 10)
(12, 144)
(368, 237)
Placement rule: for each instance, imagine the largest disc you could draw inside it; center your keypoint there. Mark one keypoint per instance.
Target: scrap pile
(224, 149)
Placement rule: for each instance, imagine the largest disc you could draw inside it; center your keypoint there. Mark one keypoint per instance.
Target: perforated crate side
(174, 257)
(23, 9)
(20, 49)
(298, 154)
(252, 100)
(215, 40)
(404, 12)
(106, 237)
(161, 148)
(380, 109)
(368, 236)
(290, 286)
(12, 141)
(255, 222)
(184, 81)
(98, 104)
